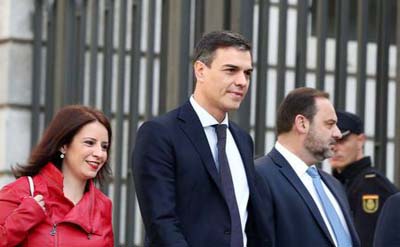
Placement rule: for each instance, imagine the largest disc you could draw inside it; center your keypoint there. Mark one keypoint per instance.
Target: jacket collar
(353, 169)
(191, 125)
(53, 174)
(291, 176)
(82, 213)
(206, 119)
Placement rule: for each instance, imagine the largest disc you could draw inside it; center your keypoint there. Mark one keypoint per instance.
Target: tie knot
(221, 131)
(312, 171)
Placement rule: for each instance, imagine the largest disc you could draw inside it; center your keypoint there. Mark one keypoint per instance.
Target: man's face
(347, 151)
(323, 131)
(222, 86)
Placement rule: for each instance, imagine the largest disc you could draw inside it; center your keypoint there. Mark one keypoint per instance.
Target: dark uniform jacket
(367, 190)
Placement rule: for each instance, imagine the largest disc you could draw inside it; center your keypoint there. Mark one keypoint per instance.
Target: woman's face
(87, 152)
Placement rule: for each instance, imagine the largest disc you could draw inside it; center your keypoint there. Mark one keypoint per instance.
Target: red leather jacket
(24, 223)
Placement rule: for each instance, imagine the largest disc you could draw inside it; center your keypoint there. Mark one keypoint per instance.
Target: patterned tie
(342, 238)
(227, 187)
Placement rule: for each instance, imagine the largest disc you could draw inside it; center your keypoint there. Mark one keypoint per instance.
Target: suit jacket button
(227, 232)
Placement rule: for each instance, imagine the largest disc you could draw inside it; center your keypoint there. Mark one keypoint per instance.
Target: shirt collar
(205, 117)
(299, 166)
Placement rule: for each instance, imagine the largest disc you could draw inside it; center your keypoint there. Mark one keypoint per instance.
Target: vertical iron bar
(199, 20)
(37, 69)
(362, 24)
(397, 109)
(94, 53)
(262, 67)
(184, 57)
(246, 18)
(150, 54)
(382, 86)
(199, 28)
(162, 103)
(119, 118)
(227, 14)
(61, 47)
(133, 115)
(342, 15)
(80, 16)
(301, 44)
(50, 64)
(108, 63)
(281, 67)
(242, 116)
(70, 72)
(130, 223)
(108, 56)
(322, 27)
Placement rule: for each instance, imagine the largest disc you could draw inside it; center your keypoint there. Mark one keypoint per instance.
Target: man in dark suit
(387, 232)
(367, 189)
(193, 168)
(309, 207)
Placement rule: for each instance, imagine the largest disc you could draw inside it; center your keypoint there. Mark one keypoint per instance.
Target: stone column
(16, 39)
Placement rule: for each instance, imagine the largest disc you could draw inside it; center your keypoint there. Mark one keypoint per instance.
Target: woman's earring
(62, 156)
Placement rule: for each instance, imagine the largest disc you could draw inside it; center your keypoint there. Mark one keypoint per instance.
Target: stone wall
(15, 83)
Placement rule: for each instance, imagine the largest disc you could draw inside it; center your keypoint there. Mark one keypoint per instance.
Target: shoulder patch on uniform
(370, 175)
(370, 203)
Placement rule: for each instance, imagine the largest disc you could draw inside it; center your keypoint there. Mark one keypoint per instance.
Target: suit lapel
(295, 181)
(191, 126)
(342, 205)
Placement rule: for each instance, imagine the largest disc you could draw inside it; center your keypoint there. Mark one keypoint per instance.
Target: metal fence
(132, 59)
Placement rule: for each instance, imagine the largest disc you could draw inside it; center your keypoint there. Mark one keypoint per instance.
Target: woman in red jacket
(66, 209)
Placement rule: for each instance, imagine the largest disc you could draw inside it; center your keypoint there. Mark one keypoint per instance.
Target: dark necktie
(227, 186)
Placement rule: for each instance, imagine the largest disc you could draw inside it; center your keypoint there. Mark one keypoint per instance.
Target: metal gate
(132, 59)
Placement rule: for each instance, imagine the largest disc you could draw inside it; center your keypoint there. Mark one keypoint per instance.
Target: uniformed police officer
(367, 189)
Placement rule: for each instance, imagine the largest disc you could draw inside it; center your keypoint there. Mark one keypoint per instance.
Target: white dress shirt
(301, 170)
(235, 160)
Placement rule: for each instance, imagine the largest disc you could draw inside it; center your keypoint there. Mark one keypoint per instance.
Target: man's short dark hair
(210, 42)
(299, 101)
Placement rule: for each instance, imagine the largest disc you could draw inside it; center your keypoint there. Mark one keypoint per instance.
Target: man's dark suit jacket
(295, 217)
(387, 232)
(178, 186)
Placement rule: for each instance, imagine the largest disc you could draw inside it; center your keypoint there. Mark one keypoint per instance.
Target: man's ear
(361, 140)
(199, 68)
(301, 124)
